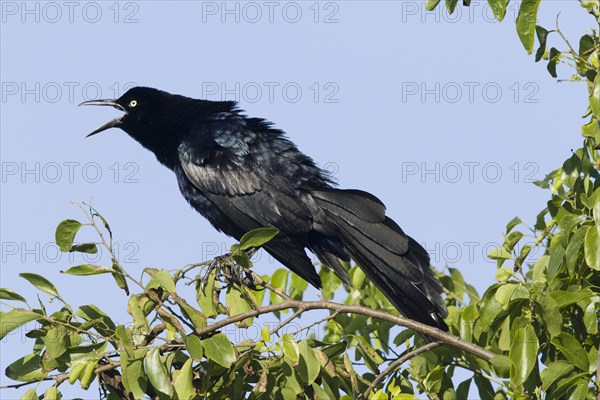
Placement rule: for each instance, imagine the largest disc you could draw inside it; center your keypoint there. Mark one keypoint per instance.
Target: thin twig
(109, 247)
(455, 297)
(485, 375)
(571, 49)
(259, 281)
(57, 378)
(319, 322)
(287, 321)
(401, 360)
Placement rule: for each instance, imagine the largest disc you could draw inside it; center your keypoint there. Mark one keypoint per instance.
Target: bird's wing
(219, 161)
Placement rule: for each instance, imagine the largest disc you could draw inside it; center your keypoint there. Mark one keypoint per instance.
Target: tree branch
(304, 306)
(287, 321)
(395, 364)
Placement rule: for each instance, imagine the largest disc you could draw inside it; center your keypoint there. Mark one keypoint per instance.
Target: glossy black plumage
(242, 174)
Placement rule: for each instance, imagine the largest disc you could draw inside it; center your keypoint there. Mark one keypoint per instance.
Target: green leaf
(552, 316)
(243, 260)
(564, 298)
(503, 274)
(257, 237)
(7, 294)
(523, 354)
(105, 325)
(89, 248)
(484, 387)
(14, 319)
(553, 60)
(504, 342)
(119, 277)
(590, 319)
(26, 369)
(581, 390)
(330, 282)
(87, 269)
(290, 348)
(219, 349)
(567, 383)
(82, 354)
(369, 354)
(451, 5)
(205, 296)
(596, 208)
(501, 365)
(526, 22)
(183, 382)
(470, 313)
(574, 247)
(265, 334)
(555, 371)
(490, 308)
(30, 395)
(595, 98)
(571, 348)
(431, 4)
(308, 366)
(163, 279)
(462, 391)
(88, 375)
(157, 373)
(320, 393)
(279, 280)
(297, 286)
(140, 322)
(194, 347)
(40, 283)
(196, 317)
(134, 377)
(586, 44)
(65, 233)
(56, 341)
(592, 130)
(52, 393)
(498, 8)
(237, 303)
(592, 248)
(542, 35)
(504, 294)
(499, 253)
(76, 371)
(555, 262)
(516, 220)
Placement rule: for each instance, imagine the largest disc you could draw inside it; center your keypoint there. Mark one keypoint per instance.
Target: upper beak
(110, 124)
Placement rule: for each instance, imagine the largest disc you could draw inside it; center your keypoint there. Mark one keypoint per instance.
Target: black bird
(242, 174)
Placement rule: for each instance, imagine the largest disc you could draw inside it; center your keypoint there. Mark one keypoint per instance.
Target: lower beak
(114, 123)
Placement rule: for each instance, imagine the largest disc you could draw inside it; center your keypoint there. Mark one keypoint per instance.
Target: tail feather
(378, 239)
(362, 204)
(292, 255)
(395, 262)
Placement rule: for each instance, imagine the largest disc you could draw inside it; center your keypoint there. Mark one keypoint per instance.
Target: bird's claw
(228, 271)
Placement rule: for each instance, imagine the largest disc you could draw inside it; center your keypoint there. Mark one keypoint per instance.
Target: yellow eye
(132, 103)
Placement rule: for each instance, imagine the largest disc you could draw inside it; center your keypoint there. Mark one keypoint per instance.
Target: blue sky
(445, 118)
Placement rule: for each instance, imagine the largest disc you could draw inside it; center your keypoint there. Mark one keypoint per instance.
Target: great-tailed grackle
(243, 174)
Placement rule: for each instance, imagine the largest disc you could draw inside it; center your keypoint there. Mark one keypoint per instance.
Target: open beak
(114, 123)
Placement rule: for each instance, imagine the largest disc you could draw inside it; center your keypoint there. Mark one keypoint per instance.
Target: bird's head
(157, 119)
(140, 105)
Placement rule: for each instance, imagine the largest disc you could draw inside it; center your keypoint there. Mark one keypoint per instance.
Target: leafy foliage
(532, 334)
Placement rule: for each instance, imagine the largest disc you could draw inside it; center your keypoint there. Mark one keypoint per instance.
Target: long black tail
(397, 264)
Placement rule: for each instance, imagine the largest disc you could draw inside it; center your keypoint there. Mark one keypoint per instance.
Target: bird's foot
(229, 269)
